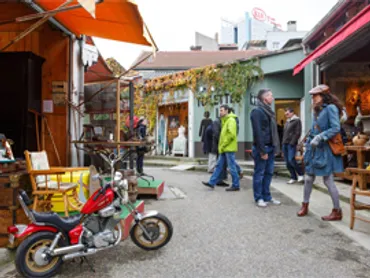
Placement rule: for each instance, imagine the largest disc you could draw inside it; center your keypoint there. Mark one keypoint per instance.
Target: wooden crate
(6, 220)
(8, 167)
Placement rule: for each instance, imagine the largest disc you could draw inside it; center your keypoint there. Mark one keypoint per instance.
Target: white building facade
(258, 26)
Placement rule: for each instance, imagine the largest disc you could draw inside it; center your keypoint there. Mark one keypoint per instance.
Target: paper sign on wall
(47, 106)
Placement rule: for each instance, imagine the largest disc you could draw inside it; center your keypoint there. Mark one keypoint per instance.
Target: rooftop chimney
(292, 26)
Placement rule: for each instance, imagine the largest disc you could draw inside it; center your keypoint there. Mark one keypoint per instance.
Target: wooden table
(361, 154)
(112, 144)
(100, 147)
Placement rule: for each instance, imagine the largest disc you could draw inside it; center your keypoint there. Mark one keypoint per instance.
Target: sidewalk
(320, 204)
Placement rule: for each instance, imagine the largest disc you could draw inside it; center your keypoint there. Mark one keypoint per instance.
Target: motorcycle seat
(64, 223)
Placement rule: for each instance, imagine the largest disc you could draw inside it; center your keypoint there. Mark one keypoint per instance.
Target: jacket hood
(228, 116)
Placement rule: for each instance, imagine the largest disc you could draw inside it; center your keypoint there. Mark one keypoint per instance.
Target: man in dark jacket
(292, 133)
(213, 136)
(265, 145)
(204, 124)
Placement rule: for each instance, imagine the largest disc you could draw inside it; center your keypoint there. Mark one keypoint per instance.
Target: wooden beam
(32, 27)
(42, 14)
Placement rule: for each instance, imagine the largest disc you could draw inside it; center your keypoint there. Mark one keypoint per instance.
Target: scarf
(273, 125)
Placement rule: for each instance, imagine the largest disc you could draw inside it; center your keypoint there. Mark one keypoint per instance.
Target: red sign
(259, 14)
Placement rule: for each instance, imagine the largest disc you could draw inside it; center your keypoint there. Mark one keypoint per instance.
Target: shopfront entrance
(170, 118)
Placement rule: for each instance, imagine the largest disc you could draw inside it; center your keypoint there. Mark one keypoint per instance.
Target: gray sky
(173, 23)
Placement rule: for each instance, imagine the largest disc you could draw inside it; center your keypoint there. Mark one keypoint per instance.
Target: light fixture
(253, 99)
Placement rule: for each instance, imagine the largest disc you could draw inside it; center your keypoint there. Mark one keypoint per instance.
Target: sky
(173, 23)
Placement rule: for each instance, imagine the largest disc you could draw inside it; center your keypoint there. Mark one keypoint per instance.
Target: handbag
(335, 143)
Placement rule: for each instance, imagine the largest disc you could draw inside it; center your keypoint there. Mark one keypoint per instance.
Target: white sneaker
(261, 203)
(300, 178)
(275, 202)
(291, 181)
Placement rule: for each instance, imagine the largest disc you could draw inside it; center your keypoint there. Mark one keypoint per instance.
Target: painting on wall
(174, 122)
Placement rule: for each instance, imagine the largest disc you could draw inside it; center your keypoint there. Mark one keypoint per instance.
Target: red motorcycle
(50, 239)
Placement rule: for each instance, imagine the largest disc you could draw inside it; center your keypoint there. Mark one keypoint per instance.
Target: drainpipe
(70, 91)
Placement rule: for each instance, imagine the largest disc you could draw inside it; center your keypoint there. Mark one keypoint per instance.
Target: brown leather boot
(304, 210)
(335, 215)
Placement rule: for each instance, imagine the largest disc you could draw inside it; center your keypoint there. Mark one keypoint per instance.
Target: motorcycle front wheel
(158, 229)
(29, 260)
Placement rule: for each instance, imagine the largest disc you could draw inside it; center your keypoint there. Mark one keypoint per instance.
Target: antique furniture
(10, 211)
(20, 77)
(43, 188)
(359, 187)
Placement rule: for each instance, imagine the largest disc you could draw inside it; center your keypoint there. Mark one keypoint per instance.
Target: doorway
(282, 104)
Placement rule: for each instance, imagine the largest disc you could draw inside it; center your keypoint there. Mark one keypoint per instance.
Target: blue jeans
(219, 172)
(263, 172)
(292, 165)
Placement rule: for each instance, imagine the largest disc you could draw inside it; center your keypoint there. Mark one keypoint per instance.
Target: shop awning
(351, 27)
(118, 20)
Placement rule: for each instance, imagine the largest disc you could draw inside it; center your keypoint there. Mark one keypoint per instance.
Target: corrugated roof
(182, 60)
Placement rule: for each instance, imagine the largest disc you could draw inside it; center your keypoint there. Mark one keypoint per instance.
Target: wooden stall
(50, 45)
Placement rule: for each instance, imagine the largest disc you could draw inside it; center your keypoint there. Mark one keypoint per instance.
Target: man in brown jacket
(292, 133)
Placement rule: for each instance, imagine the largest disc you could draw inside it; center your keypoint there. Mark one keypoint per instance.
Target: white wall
(207, 43)
(226, 32)
(276, 40)
(242, 33)
(259, 29)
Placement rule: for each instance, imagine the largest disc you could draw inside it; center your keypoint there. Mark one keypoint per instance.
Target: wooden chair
(359, 187)
(42, 186)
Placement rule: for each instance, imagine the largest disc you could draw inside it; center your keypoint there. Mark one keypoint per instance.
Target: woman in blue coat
(319, 160)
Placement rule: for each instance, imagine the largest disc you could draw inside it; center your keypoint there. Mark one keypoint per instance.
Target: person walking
(291, 135)
(319, 159)
(265, 145)
(227, 148)
(204, 124)
(212, 137)
(141, 132)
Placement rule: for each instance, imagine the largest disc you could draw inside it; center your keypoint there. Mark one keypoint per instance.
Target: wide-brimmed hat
(320, 89)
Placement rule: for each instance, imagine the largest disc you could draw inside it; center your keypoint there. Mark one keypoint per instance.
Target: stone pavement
(223, 234)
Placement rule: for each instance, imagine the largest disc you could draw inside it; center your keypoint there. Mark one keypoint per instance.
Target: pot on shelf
(360, 139)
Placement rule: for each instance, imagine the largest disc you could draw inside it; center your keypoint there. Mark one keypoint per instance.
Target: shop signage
(261, 15)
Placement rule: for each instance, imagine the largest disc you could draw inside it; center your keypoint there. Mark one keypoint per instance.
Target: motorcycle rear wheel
(28, 260)
(159, 228)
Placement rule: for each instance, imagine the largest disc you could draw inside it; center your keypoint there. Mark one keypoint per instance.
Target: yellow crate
(57, 200)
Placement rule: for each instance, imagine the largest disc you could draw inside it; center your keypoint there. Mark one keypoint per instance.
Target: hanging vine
(205, 83)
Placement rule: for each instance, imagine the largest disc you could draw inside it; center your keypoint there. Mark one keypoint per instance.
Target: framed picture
(173, 122)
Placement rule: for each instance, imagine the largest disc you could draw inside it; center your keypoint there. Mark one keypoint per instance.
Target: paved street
(221, 234)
